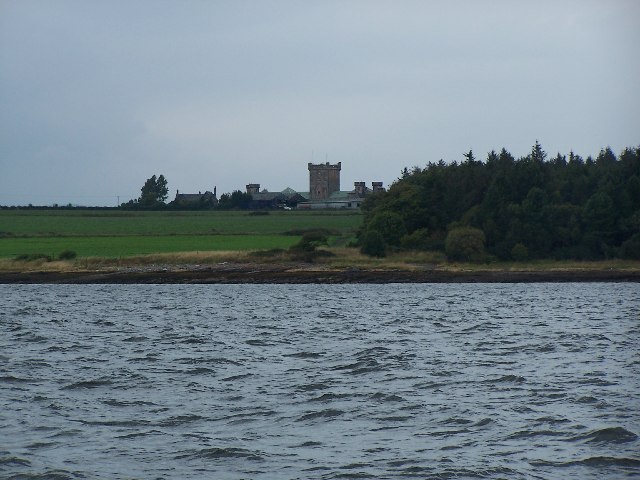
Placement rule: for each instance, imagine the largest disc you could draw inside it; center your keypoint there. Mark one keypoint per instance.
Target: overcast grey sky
(96, 96)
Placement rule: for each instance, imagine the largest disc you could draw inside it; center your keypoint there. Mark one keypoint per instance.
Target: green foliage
(631, 248)
(67, 255)
(390, 225)
(32, 257)
(310, 241)
(372, 244)
(565, 207)
(465, 244)
(519, 252)
(420, 239)
(154, 192)
(236, 200)
(306, 248)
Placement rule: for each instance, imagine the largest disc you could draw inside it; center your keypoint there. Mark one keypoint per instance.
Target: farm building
(324, 191)
(206, 199)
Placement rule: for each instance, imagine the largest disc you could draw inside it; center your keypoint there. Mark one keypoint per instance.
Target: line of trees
(154, 194)
(565, 207)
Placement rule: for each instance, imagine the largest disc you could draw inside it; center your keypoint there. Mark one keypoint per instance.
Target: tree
(372, 244)
(390, 225)
(465, 244)
(154, 191)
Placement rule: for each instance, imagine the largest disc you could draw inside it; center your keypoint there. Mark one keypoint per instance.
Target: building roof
(194, 197)
(267, 196)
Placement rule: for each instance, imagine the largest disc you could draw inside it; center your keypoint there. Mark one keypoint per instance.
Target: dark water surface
(320, 381)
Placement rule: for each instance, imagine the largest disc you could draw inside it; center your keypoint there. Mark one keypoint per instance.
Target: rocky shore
(287, 274)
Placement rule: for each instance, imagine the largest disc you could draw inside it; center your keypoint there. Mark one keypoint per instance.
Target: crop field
(115, 233)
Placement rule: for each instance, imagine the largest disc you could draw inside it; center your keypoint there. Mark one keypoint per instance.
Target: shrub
(465, 244)
(519, 252)
(390, 225)
(67, 255)
(418, 240)
(32, 257)
(631, 248)
(305, 249)
(372, 244)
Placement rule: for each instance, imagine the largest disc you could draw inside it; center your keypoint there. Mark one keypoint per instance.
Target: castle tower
(253, 188)
(324, 179)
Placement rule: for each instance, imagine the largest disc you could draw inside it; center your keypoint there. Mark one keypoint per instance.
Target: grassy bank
(113, 239)
(116, 233)
(47, 223)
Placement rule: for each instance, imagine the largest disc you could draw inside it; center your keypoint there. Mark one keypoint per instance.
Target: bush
(631, 248)
(32, 257)
(306, 248)
(519, 252)
(372, 244)
(465, 244)
(67, 255)
(390, 225)
(418, 240)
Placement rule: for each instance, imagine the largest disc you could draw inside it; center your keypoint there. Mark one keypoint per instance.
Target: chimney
(360, 188)
(377, 187)
(253, 188)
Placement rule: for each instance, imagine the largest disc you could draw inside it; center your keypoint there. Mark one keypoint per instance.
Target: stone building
(324, 179)
(200, 200)
(324, 191)
(265, 199)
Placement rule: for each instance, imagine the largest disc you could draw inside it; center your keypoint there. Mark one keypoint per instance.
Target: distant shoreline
(263, 274)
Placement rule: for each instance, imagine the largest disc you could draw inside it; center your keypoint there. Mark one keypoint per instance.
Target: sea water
(320, 381)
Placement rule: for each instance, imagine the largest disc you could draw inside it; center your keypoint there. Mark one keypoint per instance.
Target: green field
(115, 233)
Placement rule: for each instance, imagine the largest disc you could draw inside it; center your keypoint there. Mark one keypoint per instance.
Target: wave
(14, 461)
(507, 379)
(328, 397)
(328, 413)
(310, 387)
(591, 462)
(116, 423)
(136, 403)
(48, 475)
(208, 360)
(136, 339)
(12, 379)
(524, 434)
(237, 377)
(384, 398)
(221, 453)
(98, 382)
(180, 420)
(607, 435)
(304, 355)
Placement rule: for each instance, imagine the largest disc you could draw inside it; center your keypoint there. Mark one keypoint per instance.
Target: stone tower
(324, 179)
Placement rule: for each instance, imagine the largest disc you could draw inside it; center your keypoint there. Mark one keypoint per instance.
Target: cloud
(98, 96)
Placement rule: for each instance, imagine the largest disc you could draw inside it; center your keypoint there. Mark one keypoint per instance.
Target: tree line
(154, 194)
(565, 207)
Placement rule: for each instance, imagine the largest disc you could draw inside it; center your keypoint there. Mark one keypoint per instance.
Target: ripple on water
(319, 381)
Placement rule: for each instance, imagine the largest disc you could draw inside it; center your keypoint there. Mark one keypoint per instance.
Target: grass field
(116, 222)
(115, 233)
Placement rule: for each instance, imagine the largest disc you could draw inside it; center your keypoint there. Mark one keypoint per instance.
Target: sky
(97, 96)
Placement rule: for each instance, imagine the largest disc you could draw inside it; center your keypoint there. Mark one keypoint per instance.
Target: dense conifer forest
(564, 207)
